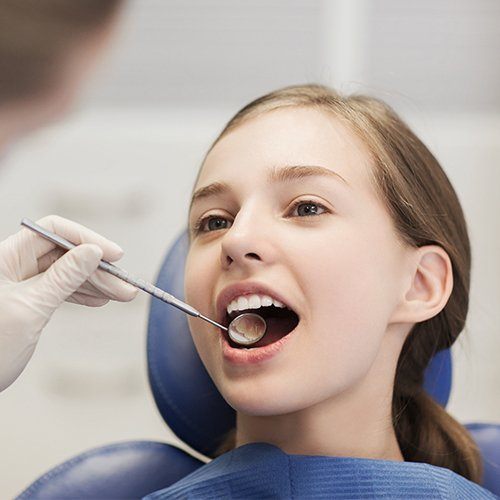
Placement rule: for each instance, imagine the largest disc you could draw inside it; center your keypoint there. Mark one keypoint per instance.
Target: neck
(307, 433)
(354, 423)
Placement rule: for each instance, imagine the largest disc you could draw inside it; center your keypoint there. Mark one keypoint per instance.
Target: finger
(99, 285)
(106, 286)
(66, 275)
(17, 261)
(45, 261)
(89, 289)
(72, 231)
(84, 292)
(112, 287)
(87, 300)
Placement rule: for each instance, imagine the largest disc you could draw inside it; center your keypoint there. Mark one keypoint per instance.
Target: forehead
(287, 136)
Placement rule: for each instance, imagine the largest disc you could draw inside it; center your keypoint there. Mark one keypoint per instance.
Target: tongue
(277, 327)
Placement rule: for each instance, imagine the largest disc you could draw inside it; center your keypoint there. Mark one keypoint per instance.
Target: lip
(230, 292)
(255, 355)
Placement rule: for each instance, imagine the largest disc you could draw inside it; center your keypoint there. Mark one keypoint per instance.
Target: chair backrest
(125, 470)
(184, 392)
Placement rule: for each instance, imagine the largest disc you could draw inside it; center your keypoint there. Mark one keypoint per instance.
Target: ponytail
(427, 433)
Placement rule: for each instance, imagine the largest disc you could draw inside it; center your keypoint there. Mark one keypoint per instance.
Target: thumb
(67, 274)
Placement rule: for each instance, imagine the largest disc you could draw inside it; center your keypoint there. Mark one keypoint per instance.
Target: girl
(333, 211)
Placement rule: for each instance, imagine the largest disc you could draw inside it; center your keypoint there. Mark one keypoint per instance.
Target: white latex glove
(36, 278)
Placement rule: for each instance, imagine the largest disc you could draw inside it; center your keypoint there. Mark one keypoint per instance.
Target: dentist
(46, 49)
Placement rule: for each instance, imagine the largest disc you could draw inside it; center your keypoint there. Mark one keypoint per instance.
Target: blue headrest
(184, 393)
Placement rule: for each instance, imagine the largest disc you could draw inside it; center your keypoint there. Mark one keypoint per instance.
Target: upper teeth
(252, 302)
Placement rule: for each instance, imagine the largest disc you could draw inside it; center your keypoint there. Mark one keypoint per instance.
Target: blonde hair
(425, 210)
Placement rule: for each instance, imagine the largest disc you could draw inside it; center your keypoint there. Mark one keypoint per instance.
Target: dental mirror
(247, 328)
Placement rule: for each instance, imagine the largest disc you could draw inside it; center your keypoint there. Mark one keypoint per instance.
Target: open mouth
(280, 322)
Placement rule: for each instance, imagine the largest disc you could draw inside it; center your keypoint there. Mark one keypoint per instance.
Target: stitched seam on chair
(97, 451)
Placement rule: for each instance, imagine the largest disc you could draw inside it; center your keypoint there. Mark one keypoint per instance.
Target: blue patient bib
(260, 471)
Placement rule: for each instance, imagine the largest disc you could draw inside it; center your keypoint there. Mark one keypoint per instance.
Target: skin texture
(357, 289)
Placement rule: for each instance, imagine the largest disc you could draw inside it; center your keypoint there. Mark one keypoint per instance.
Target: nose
(246, 244)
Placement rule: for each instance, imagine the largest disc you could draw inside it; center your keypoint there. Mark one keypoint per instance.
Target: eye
(214, 223)
(310, 208)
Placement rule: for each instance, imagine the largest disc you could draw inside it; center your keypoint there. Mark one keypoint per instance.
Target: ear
(430, 287)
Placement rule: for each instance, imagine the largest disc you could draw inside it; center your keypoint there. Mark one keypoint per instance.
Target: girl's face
(334, 258)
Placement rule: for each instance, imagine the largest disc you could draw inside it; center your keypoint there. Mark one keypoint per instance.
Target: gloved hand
(36, 278)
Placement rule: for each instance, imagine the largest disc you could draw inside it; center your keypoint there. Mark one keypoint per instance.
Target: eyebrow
(289, 173)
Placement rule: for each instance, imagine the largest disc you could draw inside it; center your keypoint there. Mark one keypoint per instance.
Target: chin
(260, 408)
(263, 403)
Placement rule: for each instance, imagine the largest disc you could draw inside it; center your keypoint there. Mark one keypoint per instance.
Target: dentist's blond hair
(425, 210)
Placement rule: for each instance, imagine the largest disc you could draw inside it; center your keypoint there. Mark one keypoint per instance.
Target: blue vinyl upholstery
(122, 470)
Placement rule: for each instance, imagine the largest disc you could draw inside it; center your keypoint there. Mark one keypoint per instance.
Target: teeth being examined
(253, 302)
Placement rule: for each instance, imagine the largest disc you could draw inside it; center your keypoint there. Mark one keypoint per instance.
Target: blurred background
(124, 163)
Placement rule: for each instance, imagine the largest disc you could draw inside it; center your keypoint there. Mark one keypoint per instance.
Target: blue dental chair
(196, 413)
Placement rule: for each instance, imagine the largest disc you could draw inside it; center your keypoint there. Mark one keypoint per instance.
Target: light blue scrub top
(260, 471)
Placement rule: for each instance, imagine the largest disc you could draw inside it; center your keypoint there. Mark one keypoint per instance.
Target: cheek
(199, 278)
(349, 272)
(349, 298)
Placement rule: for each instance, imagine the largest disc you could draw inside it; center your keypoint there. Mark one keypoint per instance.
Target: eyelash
(200, 222)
